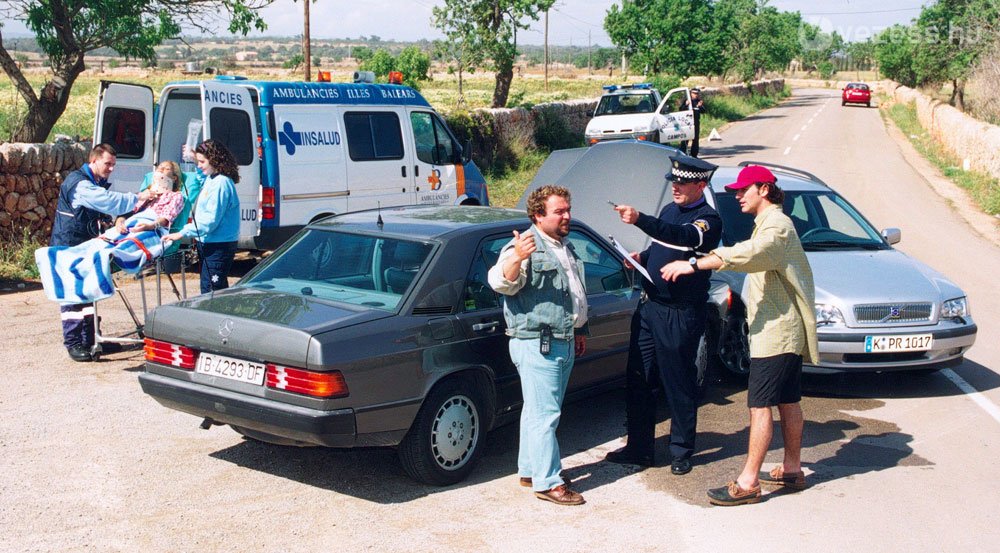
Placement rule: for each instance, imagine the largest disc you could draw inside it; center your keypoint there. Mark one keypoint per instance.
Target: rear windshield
(858, 86)
(615, 104)
(356, 269)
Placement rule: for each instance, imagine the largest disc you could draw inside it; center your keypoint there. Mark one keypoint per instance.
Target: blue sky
(570, 21)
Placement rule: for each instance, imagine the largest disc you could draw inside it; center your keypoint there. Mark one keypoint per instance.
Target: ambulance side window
(373, 135)
(125, 129)
(232, 128)
(434, 143)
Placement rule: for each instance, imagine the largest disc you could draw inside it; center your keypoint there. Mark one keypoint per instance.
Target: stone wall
(30, 175)
(966, 137)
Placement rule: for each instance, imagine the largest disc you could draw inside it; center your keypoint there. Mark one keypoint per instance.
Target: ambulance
(305, 150)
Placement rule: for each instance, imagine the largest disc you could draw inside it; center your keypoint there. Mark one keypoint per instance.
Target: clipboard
(629, 260)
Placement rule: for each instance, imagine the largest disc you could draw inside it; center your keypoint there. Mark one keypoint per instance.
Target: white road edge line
(788, 149)
(991, 409)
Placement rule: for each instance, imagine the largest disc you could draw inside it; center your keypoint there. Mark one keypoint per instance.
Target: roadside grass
(982, 188)
(17, 258)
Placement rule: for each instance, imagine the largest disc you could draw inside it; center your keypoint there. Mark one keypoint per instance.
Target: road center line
(788, 149)
(804, 127)
(796, 137)
(991, 409)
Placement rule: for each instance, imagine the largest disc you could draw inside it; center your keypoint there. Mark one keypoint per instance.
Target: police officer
(83, 207)
(670, 321)
(697, 106)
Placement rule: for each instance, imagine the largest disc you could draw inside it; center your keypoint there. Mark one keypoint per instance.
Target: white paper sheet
(629, 260)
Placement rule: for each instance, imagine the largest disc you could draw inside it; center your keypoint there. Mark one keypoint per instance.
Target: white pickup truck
(636, 111)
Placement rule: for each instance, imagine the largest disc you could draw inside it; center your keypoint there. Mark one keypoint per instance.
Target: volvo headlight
(958, 307)
(827, 314)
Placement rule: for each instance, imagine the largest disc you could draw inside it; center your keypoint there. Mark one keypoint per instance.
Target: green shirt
(779, 292)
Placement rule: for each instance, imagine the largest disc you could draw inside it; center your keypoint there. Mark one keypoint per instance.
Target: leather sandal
(778, 477)
(732, 494)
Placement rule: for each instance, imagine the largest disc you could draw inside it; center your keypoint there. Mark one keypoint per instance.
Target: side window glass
(478, 294)
(373, 136)
(232, 127)
(677, 101)
(603, 272)
(125, 129)
(423, 136)
(445, 152)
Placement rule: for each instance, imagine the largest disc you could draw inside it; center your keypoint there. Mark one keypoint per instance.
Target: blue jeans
(543, 386)
(216, 260)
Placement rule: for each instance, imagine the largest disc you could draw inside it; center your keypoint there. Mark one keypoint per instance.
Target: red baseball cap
(750, 175)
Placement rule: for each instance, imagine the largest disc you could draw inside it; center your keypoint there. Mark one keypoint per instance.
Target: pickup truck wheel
(445, 441)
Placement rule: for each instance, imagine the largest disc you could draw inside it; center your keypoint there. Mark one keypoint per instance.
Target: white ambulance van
(305, 150)
(636, 111)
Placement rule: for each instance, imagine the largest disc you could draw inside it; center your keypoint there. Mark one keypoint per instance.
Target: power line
(866, 12)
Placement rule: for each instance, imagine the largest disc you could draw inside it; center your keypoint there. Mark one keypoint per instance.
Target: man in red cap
(780, 301)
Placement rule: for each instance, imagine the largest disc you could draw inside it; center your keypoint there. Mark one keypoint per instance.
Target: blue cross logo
(288, 138)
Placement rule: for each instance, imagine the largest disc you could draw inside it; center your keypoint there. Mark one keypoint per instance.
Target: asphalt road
(897, 462)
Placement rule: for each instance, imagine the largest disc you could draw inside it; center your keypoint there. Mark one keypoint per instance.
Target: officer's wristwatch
(694, 263)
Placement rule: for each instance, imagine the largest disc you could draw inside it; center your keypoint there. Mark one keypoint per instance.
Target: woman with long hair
(216, 222)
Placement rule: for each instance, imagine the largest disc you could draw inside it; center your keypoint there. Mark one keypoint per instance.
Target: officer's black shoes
(626, 456)
(80, 354)
(680, 467)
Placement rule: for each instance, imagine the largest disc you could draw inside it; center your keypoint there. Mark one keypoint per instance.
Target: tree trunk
(958, 94)
(45, 109)
(505, 76)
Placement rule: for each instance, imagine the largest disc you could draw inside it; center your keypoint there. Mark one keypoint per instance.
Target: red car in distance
(856, 93)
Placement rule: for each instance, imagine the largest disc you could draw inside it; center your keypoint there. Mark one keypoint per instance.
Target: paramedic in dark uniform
(697, 106)
(85, 205)
(670, 320)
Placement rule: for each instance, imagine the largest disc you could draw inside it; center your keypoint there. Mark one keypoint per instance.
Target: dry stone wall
(30, 175)
(966, 137)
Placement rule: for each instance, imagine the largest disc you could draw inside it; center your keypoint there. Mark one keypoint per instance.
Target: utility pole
(590, 68)
(546, 50)
(306, 49)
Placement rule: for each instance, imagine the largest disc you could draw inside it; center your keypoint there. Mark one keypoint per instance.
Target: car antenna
(379, 222)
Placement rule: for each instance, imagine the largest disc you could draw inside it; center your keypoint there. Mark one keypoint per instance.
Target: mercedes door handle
(491, 326)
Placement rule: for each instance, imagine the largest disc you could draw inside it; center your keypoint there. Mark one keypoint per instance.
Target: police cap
(684, 168)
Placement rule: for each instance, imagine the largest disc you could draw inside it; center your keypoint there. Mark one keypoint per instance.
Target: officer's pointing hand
(628, 214)
(524, 245)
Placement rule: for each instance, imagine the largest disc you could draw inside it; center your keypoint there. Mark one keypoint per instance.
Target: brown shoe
(778, 477)
(732, 494)
(525, 481)
(561, 495)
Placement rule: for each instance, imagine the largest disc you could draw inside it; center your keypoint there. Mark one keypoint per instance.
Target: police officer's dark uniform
(697, 108)
(668, 324)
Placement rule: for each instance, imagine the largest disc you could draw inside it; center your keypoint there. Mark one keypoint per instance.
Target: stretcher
(133, 290)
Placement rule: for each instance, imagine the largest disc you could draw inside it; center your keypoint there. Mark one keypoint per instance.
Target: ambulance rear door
(675, 117)
(228, 116)
(437, 169)
(124, 119)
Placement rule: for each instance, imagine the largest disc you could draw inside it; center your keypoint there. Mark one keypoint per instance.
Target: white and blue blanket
(82, 274)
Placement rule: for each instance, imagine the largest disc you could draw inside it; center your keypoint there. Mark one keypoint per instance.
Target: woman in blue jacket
(216, 221)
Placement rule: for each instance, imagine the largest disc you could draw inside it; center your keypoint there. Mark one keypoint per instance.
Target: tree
(496, 23)
(894, 52)
(414, 65)
(670, 42)
(67, 30)
(462, 48)
(953, 34)
(381, 63)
